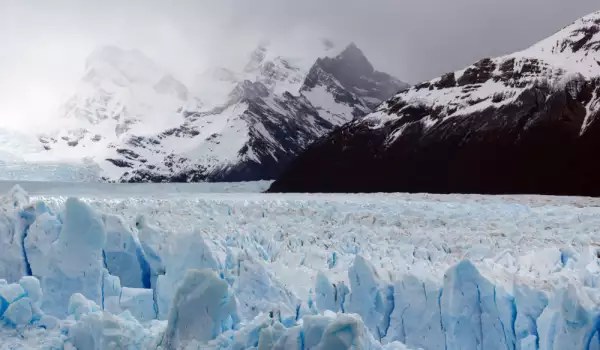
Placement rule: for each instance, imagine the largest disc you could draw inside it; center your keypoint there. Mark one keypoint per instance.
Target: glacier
(261, 271)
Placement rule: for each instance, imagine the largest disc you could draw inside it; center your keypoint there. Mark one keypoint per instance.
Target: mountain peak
(352, 48)
(354, 58)
(350, 81)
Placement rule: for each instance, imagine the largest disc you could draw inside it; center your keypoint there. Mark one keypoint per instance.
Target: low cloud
(44, 44)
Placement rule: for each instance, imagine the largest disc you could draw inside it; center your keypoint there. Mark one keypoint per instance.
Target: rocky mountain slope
(141, 124)
(522, 123)
(347, 85)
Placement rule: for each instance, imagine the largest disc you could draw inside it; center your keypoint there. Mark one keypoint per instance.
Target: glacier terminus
(206, 270)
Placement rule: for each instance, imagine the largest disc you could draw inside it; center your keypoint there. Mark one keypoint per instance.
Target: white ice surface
(430, 271)
(142, 190)
(18, 169)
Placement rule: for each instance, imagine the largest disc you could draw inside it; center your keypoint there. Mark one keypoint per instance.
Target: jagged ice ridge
(86, 274)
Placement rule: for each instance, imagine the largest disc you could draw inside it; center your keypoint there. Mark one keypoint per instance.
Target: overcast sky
(43, 44)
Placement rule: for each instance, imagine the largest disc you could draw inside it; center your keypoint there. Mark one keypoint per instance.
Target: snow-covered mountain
(348, 85)
(265, 65)
(139, 123)
(521, 123)
(122, 93)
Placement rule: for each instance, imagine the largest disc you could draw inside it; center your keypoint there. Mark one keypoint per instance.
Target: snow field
(236, 271)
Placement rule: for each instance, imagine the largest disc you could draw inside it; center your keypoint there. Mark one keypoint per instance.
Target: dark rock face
(142, 142)
(180, 170)
(120, 163)
(478, 74)
(537, 144)
(585, 43)
(182, 131)
(146, 175)
(249, 90)
(446, 81)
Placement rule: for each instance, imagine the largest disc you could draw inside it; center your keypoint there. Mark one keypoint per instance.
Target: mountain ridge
(149, 127)
(520, 123)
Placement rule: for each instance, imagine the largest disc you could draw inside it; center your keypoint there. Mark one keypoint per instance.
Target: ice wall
(188, 251)
(123, 254)
(74, 262)
(370, 297)
(259, 292)
(13, 224)
(469, 311)
(417, 298)
(203, 308)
